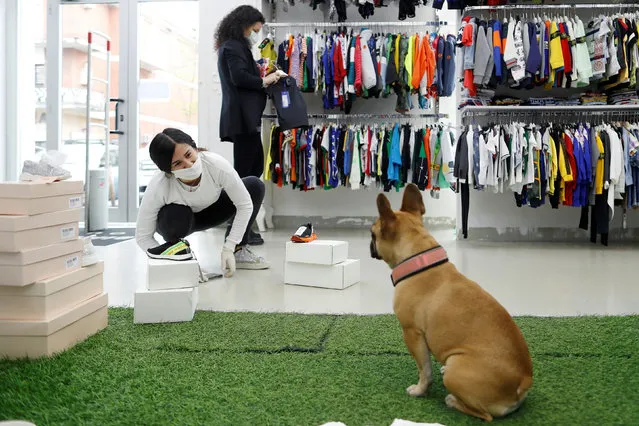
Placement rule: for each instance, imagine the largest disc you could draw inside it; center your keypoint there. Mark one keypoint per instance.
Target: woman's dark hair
(163, 146)
(235, 23)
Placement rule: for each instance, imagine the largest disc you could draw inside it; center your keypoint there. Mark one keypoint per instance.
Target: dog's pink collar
(418, 263)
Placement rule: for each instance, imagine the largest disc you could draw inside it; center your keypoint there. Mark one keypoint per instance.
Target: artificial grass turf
(281, 369)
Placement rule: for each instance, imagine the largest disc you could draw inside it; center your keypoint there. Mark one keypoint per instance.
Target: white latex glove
(228, 259)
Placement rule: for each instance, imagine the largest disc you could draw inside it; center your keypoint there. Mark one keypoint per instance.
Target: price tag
(286, 100)
(67, 233)
(75, 202)
(73, 262)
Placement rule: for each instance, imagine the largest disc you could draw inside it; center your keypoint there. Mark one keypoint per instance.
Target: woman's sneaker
(246, 259)
(171, 251)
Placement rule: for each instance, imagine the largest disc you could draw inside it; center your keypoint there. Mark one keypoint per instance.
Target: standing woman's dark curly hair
(234, 25)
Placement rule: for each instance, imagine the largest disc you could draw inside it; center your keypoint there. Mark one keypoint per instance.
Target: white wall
(3, 92)
(339, 203)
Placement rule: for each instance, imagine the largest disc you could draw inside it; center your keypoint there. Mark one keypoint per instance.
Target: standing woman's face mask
(254, 36)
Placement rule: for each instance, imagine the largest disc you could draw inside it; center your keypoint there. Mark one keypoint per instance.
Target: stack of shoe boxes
(320, 263)
(48, 301)
(171, 292)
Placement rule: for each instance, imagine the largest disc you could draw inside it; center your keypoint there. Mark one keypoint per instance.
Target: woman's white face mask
(192, 173)
(254, 38)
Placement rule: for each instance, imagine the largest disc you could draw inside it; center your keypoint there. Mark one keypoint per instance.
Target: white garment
(483, 160)
(616, 168)
(448, 155)
(514, 52)
(369, 75)
(504, 155)
(217, 175)
(471, 168)
(355, 171)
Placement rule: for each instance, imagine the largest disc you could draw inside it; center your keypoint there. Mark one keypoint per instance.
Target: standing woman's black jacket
(243, 98)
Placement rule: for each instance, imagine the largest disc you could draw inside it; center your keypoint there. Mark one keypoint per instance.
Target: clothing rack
(364, 116)
(509, 7)
(580, 109)
(355, 24)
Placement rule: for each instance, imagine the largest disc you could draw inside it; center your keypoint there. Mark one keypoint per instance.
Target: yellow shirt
(554, 166)
(599, 171)
(267, 169)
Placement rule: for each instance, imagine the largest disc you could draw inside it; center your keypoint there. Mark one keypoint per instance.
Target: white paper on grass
(396, 422)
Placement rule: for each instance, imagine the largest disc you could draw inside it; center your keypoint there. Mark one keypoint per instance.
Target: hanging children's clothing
(384, 156)
(344, 66)
(578, 165)
(551, 52)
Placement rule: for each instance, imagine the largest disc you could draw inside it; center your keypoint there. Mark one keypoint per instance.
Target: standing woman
(243, 94)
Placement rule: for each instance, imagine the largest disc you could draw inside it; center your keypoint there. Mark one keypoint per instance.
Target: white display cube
(318, 252)
(339, 276)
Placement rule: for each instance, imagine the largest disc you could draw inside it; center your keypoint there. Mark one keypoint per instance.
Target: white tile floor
(528, 279)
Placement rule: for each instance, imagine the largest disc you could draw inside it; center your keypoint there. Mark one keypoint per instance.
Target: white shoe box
(339, 276)
(318, 252)
(28, 266)
(51, 297)
(177, 305)
(171, 274)
(25, 232)
(35, 339)
(31, 198)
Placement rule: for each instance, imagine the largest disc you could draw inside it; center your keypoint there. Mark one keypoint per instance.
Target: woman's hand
(228, 259)
(270, 79)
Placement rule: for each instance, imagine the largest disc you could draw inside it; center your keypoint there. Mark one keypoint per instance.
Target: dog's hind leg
(416, 344)
(469, 386)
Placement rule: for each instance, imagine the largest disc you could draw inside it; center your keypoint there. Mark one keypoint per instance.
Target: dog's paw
(416, 390)
(451, 401)
(442, 370)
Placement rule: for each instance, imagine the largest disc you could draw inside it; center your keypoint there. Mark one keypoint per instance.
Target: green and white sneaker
(246, 259)
(171, 251)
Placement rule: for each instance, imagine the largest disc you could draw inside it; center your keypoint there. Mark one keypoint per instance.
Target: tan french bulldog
(486, 364)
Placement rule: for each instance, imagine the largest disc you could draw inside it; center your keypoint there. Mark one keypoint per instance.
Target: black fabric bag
(289, 103)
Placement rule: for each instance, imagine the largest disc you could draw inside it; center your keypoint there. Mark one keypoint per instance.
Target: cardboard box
(177, 305)
(170, 274)
(25, 232)
(35, 339)
(33, 206)
(28, 266)
(318, 252)
(29, 190)
(49, 298)
(339, 276)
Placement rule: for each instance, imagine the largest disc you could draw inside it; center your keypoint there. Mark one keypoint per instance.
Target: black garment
(248, 155)
(406, 9)
(465, 202)
(176, 221)
(243, 98)
(406, 153)
(460, 170)
(289, 103)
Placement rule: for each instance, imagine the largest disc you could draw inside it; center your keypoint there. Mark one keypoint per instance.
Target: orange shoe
(304, 234)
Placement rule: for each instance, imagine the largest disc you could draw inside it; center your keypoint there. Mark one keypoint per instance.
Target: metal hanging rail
(355, 24)
(577, 109)
(364, 116)
(509, 7)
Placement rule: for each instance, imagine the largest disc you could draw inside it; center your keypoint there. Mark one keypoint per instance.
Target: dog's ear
(413, 201)
(386, 213)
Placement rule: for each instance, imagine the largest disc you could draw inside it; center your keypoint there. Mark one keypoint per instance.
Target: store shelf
(364, 116)
(349, 24)
(510, 7)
